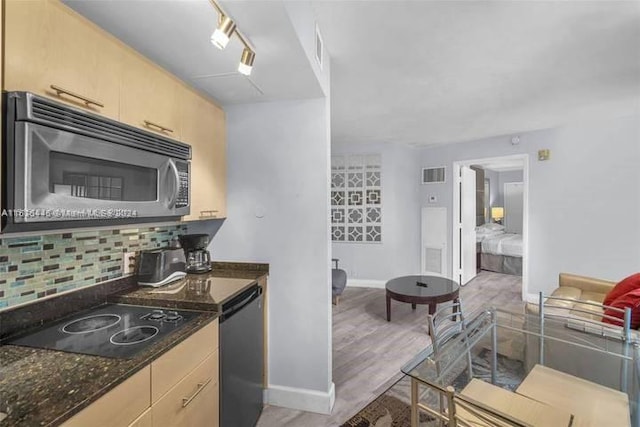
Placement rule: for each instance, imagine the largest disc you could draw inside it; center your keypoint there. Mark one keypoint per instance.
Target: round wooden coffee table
(429, 290)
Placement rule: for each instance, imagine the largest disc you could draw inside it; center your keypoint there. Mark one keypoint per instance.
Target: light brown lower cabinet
(170, 368)
(179, 389)
(143, 420)
(120, 407)
(193, 402)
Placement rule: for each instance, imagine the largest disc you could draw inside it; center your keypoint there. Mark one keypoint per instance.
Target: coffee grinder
(198, 259)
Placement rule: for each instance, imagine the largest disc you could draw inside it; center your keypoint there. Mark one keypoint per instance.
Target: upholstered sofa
(578, 289)
(597, 367)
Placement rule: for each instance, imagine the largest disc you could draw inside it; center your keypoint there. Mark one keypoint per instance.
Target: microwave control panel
(183, 193)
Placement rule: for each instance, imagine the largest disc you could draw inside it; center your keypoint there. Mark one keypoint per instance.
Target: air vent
(433, 175)
(53, 114)
(433, 260)
(319, 47)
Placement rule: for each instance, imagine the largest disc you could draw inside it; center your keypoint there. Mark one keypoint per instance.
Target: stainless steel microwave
(62, 165)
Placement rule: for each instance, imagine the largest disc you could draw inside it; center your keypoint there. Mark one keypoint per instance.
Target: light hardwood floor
(368, 351)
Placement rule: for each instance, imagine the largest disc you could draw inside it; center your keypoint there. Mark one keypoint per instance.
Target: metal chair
(448, 321)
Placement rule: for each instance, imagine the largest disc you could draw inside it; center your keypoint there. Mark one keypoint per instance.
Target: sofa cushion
(625, 285)
(576, 295)
(568, 292)
(585, 283)
(587, 311)
(632, 300)
(596, 297)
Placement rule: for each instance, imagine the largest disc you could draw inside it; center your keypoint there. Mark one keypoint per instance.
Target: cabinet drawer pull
(87, 101)
(201, 386)
(209, 213)
(148, 124)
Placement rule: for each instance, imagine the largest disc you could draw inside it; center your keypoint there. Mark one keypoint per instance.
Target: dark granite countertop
(41, 387)
(195, 292)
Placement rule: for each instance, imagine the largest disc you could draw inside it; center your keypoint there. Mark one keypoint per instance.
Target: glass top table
(417, 289)
(513, 350)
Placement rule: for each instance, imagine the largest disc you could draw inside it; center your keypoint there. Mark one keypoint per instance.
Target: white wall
(278, 192)
(304, 23)
(399, 252)
(504, 177)
(584, 203)
(494, 187)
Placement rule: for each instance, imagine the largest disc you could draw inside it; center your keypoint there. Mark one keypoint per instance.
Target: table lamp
(497, 213)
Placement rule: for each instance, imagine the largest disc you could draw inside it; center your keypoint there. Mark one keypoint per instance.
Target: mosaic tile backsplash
(38, 266)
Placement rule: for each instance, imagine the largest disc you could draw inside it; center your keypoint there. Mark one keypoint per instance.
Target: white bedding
(481, 235)
(488, 230)
(503, 244)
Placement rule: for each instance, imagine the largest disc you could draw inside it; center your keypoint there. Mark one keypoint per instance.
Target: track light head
(246, 61)
(222, 34)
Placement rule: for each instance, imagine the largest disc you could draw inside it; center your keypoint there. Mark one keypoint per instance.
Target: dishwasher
(241, 359)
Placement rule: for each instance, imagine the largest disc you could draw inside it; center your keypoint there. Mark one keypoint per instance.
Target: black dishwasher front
(241, 359)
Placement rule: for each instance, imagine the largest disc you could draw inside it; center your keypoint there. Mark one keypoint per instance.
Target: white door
(434, 241)
(467, 225)
(513, 207)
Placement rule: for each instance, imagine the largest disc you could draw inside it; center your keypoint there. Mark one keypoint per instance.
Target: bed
(499, 251)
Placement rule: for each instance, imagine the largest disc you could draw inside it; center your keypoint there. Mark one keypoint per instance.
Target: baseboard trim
(301, 399)
(365, 283)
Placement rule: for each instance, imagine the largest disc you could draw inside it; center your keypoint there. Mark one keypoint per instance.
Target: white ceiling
(176, 34)
(428, 72)
(411, 72)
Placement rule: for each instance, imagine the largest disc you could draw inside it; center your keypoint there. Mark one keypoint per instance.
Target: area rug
(385, 411)
(393, 407)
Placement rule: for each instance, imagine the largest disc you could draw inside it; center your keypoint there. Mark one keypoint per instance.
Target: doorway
(490, 218)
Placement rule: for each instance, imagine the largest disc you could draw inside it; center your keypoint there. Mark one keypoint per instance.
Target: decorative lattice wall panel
(356, 198)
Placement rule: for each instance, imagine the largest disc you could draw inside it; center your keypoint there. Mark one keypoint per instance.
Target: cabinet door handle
(209, 213)
(87, 101)
(201, 386)
(149, 124)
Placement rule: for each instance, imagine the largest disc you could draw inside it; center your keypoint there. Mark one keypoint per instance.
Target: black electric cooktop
(111, 330)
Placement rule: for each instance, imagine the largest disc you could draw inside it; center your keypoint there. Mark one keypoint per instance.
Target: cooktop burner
(170, 316)
(111, 330)
(134, 335)
(91, 323)
(156, 316)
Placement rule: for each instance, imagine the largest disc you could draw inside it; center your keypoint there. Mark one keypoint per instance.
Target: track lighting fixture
(220, 38)
(246, 61)
(226, 27)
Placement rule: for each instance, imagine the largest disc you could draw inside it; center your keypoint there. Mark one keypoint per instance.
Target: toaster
(158, 267)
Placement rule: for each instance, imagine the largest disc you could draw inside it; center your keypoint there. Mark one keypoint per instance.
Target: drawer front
(119, 407)
(193, 401)
(144, 420)
(173, 366)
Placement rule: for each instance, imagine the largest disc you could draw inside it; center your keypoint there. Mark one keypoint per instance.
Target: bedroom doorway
(490, 218)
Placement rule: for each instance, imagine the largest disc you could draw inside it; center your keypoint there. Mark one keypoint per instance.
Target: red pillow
(630, 299)
(630, 283)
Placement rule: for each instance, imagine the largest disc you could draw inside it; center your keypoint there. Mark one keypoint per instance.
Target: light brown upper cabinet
(203, 126)
(52, 51)
(149, 97)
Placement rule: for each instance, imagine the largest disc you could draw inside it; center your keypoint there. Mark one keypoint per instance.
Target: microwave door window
(59, 170)
(90, 178)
